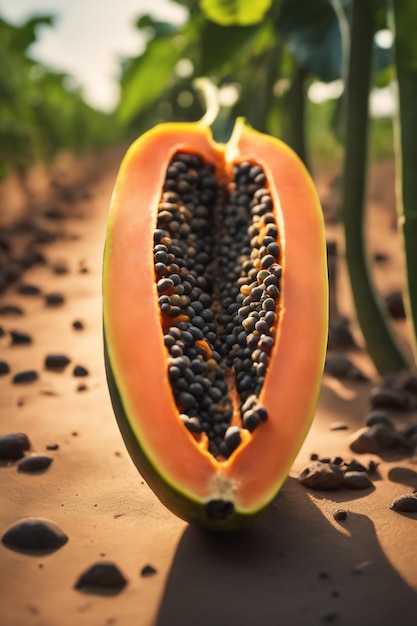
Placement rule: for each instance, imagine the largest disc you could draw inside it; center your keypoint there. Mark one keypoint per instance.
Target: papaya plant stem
(294, 131)
(405, 124)
(209, 95)
(372, 318)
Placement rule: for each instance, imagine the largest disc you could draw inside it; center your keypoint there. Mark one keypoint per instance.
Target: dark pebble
(4, 368)
(29, 290)
(378, 417)
(103, 575)
(405, 504)
(325, 476)
(148, 570)
(20, 338)
(340, 336)
(10, 310)
(52, 446)
(78, 325)
(395, 305)
(54, 299)
(34, 534)
(357, 480)
(340, 515)
(60, 267)
(56, 361)
(339, 366)
(26, 376)
(79, 370)
(374, 439)
(13, 446)
(355, 466)
(389, 399)
(36, 463)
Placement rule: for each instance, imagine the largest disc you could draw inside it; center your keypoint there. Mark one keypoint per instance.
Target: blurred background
(82, 75)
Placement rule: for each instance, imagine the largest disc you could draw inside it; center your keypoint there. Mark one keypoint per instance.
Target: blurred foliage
(41, 111)
(268, 53)
(263, 56)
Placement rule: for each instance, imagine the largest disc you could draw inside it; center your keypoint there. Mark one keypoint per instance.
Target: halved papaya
(215, 316)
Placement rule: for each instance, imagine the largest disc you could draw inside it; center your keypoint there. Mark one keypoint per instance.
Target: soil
(316, 556)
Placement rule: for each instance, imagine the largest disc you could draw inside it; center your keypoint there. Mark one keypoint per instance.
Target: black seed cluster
(216, 258)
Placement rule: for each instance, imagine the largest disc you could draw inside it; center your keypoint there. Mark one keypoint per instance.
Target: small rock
(4, 368)
(318, 475)
(380, 257)
(409, 430)
(354, 466)
(13, 446)
(34, 533)
(56, 362)
(374, 439)
(26, 376)
(11, 310)
(103, 575)
(339, 366)
(54, 299)
(148, 570)
(35, 463)
(395, 305)
(29, 290)
(378, 417)
(79, 370)
(357, 480)
(340, 515)
(384, 398)
(340, 336)
(405, 504)
(78, 325)
(409, 383)
(20, 338)
(60, 267)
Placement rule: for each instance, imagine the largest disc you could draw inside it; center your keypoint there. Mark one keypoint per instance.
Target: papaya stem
(372, 317)
(210, 97)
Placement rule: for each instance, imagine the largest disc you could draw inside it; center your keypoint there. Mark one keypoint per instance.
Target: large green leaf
(221, 45)
(238, 12)
(312, 33)
(148, 76)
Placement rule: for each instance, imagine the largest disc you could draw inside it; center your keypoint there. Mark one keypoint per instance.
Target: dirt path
(297, 566)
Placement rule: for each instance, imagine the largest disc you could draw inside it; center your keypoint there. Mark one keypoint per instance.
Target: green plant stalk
(405, 125)
(372, 317)
(294, 122)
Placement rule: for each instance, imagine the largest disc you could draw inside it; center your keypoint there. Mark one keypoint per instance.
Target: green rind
(184, 507)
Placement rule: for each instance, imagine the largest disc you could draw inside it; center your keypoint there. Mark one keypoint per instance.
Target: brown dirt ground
(297, 566)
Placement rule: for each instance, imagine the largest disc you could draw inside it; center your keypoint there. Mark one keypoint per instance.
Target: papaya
(214, 316)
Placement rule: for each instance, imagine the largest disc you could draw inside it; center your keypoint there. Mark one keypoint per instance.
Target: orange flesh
(254, 472)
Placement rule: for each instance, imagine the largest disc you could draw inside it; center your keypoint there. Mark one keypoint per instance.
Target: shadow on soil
(294, 567)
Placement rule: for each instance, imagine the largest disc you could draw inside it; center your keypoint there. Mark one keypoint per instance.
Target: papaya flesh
(214, 316)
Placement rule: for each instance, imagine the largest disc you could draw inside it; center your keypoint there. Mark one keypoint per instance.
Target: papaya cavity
(217, 271)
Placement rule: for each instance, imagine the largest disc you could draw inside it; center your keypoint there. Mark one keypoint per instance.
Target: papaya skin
(184, 475)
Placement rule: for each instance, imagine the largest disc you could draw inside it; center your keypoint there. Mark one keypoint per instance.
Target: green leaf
(312, 33)
(220, 45)
(148, 76)
(238, 12)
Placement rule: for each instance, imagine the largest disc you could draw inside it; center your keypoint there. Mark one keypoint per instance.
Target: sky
(90, 37)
